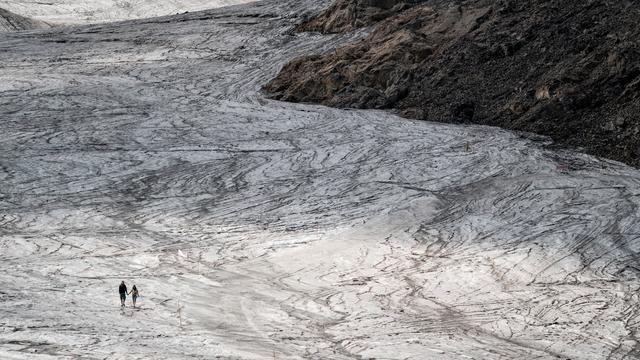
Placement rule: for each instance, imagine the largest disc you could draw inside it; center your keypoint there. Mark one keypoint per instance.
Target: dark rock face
(567, 69)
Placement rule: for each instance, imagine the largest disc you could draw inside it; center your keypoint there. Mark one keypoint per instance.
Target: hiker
(123, 293)
(134, 294)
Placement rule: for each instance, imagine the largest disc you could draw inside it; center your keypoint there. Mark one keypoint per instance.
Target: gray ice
(144, 151)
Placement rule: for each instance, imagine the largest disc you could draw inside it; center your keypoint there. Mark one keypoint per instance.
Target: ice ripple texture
(144, 151)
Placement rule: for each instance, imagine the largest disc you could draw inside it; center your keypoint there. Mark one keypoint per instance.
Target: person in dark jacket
(123, 293)
(134, 294)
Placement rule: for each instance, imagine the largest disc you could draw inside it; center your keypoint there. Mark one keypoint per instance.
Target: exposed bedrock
(566, 69)
(345, 15)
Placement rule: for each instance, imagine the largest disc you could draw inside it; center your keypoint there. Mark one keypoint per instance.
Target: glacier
(145, 151)
(75, 12)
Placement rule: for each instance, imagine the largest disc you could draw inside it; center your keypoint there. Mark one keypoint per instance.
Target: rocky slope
(566, 69)
(13, 22)
(345, 15)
